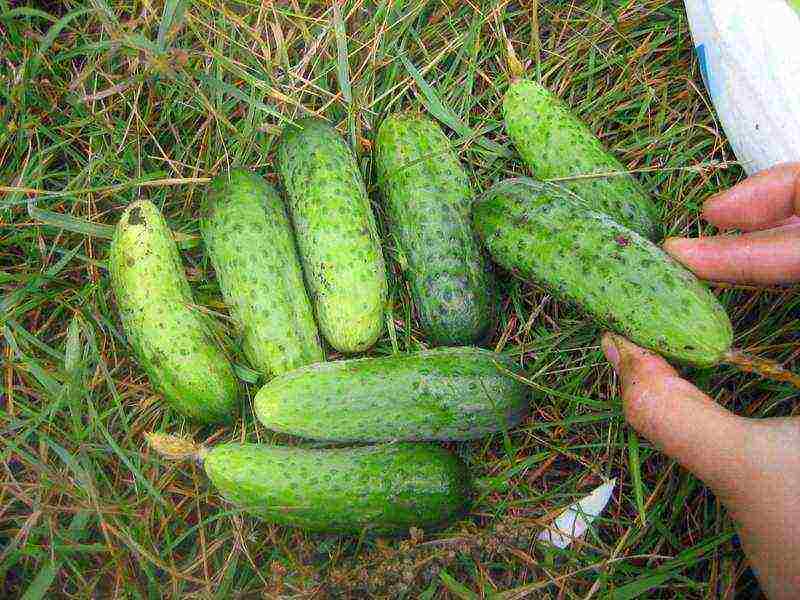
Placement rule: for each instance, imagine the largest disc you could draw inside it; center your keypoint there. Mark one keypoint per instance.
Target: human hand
(753, 466)
(767, 207)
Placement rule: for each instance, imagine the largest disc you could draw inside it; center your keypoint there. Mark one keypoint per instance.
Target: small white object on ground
(748, 53)
(573, 522)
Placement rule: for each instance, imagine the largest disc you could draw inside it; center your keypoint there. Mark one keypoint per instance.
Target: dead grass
(102, 103)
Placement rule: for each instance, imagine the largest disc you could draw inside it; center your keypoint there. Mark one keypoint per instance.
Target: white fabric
(749, 51)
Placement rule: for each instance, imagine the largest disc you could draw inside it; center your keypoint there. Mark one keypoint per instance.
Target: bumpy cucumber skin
(429, 202)
(442, 394)
(383, 489)
(336, 233)
(555, 144)
(173, 341)
(623, 280)
(251, 245)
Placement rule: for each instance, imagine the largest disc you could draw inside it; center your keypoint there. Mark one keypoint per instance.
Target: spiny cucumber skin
(442, 394)
(623, 280)
(250, 242)
(383, 489)
(336, 233)
(429, 201)
(555, 144)
(172, 339)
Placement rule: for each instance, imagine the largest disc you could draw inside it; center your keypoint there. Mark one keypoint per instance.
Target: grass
(102, 103)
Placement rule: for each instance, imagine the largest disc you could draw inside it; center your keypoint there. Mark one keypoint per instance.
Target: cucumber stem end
(173, 447)
(769, 369)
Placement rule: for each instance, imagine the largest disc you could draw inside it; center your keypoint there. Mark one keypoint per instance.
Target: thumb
(752, 465)
(676, 416)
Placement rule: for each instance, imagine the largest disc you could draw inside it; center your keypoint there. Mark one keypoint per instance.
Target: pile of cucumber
(309, 266)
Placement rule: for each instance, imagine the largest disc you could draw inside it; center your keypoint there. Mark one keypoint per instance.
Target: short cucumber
(172, 338)
(555, 144)
(250, 242)
(623, 280)
(336, 233)
(429, 202)
(380, 489)
(442, 394)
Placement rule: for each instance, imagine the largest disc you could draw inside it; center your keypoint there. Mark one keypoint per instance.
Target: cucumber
(250, 242)
(336, 234)
(621, 279)
(172, 339)
(429, 202)
(383, 489)
(442, 394)
(555, 144)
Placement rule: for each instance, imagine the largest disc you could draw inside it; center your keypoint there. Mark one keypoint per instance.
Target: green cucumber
(336, 234)
(173, 340)
(383, 489)
(442, 394)
(557, 145)
(429, 202)
(251, 244)
(623, 280)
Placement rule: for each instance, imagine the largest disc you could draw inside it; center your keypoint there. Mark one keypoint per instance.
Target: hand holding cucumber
(752, 465)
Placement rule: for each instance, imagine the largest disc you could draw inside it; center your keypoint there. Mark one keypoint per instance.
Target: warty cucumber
(621, 279)
(429, 202)
(173, 339)
(555, 144)
(381, 489)
(251, 245)
(442, 394)
(336, 233)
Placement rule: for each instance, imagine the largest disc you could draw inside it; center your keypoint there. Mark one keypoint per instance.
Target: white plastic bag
(749, 53)
(575, 520)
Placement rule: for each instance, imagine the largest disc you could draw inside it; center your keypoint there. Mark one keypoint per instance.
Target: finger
(677, 417)
(753, 466)
(760, 258)
(759, 201)
(789, 224)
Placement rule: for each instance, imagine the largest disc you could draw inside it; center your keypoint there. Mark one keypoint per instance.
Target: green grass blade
(37, 590)
(25, 11)
(70, 223)
(343, 71)
(105, 12)
(437, 108)
(226, 88)
(173, 11)
(8, 301)
(641, 587)
(50, 37)
(433, 103)
(342, 58)
(635, 465)
(459, 590)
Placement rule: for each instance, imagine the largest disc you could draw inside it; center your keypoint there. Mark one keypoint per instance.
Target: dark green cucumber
(429, 202)
(443, 394)
(555, 144)
(623, 280)
(336, 233)
(382, 489)
(251, 244)
(172, 339)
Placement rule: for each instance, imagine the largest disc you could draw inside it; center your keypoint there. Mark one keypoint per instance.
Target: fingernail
(611, 350)
(711, 203)
(715, 209)
(676, 247)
